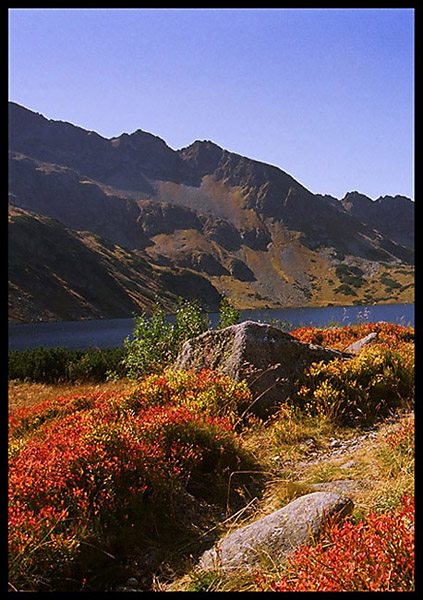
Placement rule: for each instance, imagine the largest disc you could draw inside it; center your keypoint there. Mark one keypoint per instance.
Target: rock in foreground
(267, 358)
(277, 535)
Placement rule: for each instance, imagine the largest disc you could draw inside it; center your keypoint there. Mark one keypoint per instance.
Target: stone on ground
(277, 535)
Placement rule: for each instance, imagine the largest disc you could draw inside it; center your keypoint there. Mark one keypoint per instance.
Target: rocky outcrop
(347, 487)
(277, 535)
(222, 232)
(240, 271)
(268, 358)
(155, 218)
(392, 216)
(356, 346)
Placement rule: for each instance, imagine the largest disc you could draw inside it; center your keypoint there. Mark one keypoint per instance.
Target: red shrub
(376, 554)
(79, 464)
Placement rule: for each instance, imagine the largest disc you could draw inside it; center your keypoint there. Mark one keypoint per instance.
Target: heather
(389, 334)
(82, 467)
(171, 459)
(373, 555)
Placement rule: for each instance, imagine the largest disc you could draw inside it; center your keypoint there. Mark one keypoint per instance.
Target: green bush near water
(51, 365)
(154, 343)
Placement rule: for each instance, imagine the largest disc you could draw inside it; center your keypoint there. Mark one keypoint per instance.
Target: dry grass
(385, 476)
(28, 394)
(372, 460)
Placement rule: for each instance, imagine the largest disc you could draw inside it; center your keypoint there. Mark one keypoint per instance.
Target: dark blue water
(105, 333)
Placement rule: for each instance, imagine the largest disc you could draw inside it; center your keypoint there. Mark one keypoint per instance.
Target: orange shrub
(341, 337)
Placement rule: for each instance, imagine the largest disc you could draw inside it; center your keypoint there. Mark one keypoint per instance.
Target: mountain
(394, 217)
(200, 220)
(55, 271)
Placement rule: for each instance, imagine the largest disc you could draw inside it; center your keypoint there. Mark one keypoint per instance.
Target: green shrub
(228, 314)
(44, 365)
(389, 283)
(156, 340)
(51, 365)
(346, 289)
(350, 275)
(190, 321)
(96, 365)
(150, 345)
(361, 389)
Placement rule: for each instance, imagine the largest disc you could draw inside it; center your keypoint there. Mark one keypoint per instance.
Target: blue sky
(327, 95)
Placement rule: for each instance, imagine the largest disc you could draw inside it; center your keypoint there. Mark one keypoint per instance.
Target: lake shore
(106, 333)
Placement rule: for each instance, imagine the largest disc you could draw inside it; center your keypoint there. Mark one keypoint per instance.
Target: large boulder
(270, 360)
(277, 535)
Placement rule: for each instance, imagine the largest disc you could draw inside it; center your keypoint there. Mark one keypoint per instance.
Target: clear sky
(326, 94)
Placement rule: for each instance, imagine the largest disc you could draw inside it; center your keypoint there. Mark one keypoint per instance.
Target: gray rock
(267, 358)
(348, 465)
(276, 535)
(356, 346)
(344, 486)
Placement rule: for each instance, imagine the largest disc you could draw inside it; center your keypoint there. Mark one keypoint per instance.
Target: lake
(105, 333)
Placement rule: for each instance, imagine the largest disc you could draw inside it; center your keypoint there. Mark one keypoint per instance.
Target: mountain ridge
(246, 228)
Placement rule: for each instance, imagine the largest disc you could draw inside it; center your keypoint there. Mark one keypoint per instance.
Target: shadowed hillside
(204, 221)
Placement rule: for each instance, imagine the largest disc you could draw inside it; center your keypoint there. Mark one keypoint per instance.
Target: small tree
(150, 345)
(156, 341)
(190, 321)
(228, 314)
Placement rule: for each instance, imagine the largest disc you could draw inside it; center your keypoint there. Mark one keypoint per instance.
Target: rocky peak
(356, 199)
(395, 201)
(32, 131)
(391, 215)
(150, 155)
(139, 140)
(203, 156)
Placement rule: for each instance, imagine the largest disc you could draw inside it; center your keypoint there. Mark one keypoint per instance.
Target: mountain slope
(56, 273)
(235, 225)
(394, 217)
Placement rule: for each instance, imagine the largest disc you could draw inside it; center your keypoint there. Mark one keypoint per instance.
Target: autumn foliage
(374, 555)
(81, 466)
(388, 334)
(368, 385)
(84, 467)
